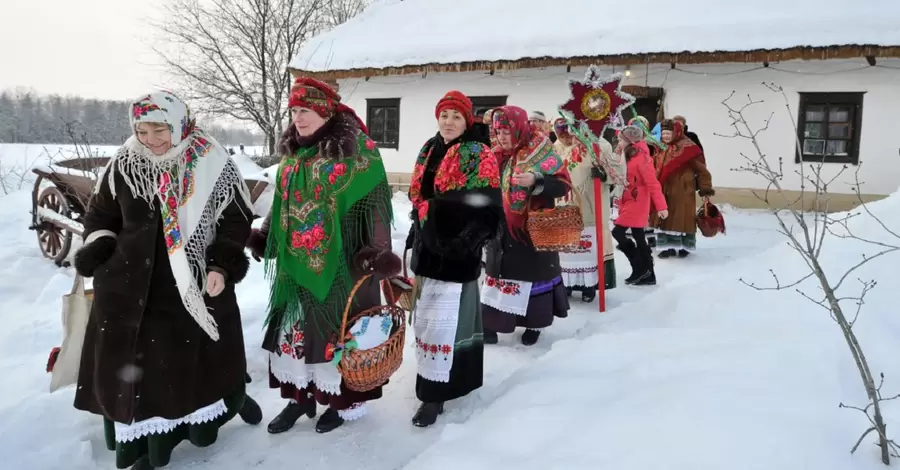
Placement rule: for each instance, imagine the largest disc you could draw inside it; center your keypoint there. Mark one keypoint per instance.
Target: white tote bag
(76, 309)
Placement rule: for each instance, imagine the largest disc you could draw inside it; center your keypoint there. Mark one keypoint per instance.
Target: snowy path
(43, 431)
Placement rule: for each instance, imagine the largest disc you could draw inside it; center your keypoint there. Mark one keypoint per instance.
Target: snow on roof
(402, 33)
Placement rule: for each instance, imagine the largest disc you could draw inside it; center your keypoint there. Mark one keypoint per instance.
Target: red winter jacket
(634, 206)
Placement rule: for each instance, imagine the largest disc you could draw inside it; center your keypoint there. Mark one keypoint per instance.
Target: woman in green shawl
(328, 227)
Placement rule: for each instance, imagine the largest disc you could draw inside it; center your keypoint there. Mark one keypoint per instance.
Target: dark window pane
(839, 114)
(813, 147)
(391, 137)
(837, 148)
(839, 131)
(814, 130)
(815, 113)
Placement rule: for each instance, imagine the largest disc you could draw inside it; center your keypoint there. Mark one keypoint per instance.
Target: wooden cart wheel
(55, 241)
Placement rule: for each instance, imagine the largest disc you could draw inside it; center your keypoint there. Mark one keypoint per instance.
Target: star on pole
(596, 102)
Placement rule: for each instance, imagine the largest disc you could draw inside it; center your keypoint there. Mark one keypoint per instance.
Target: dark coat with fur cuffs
(144, 355)
(449, 245)
(336, 139)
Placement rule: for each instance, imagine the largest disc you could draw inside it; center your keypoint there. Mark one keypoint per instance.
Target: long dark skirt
(158, 447)
(547, 300)
(467, 371)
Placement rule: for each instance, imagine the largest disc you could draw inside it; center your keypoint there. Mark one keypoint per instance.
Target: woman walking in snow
(634, 206)
(455, 191)
(328, 227)
(523, 287)
(682, 173)
(163, 357)
(580, 270)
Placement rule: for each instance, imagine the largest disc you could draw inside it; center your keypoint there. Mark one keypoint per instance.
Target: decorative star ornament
(597, 102)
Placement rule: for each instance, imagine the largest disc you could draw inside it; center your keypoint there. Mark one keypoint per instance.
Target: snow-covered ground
(699, 372)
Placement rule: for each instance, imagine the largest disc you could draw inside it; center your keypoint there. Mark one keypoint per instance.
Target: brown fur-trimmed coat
(144, 355)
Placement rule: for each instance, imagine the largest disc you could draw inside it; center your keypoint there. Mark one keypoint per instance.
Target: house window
(829, 127)
(383, 121)
(480, 104)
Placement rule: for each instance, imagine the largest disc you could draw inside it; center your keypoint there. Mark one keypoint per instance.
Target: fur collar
(336, 139)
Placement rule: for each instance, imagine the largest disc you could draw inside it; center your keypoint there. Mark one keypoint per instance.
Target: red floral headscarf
(515, 120)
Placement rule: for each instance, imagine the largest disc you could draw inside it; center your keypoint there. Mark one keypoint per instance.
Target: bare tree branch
(230, 56)
(808, 237)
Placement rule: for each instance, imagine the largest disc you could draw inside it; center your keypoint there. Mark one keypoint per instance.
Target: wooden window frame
(488, 102)
(854, 100)
(371, 104)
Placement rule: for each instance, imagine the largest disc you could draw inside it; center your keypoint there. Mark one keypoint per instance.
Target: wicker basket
(364, 370)
(558, 229)
(710, 220)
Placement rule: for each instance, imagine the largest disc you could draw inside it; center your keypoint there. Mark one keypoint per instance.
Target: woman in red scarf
(523, 287)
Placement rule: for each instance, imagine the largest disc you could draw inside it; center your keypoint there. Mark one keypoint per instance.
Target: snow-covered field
(697, 373)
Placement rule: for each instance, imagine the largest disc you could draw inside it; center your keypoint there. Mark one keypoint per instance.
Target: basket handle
(405, 273)
(572, 190)
(349, 304)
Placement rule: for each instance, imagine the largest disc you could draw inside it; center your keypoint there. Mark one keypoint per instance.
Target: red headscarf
(515, 120)
(460, 102)
(320, 97)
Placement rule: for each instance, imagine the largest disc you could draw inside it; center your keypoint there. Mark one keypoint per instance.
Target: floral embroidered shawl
(194, 182)
(677, 154)
(466, 166)
(532, 152)
(323, 210)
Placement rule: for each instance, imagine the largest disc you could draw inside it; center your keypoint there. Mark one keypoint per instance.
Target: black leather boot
(329, 421)
(530, 337)
(427, 414)
(290, 414)
(250, 412)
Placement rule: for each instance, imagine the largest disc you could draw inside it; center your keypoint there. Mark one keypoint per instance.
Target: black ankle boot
(490, 337)
(290, 414)
(530, 337)
(650, 278)
(683, 253)
(667, 253)
(143, 463)
(250, 412)
(427, 414)
(589, 294)
(568, 292)
(329, 421)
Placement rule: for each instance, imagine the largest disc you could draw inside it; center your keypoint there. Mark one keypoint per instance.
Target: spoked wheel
(55, 242)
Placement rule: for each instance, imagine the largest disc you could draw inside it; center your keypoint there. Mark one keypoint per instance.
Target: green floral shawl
(323, 212)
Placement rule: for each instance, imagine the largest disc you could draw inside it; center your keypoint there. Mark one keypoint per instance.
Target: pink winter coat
(642, 185)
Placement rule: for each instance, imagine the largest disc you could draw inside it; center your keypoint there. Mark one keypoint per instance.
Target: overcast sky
(92, 48)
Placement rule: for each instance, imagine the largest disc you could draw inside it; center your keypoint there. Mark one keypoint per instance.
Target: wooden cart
(60, 200)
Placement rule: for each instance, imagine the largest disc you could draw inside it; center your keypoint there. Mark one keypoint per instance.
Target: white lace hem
(299, 374)
(577, 277)
(356, 411)
(157, 425)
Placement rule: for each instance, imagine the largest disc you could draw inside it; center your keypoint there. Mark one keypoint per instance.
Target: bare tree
(231, 56)
(340, 11)
(806, 233)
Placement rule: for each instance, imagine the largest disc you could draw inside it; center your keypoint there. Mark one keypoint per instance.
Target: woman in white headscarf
(164, 238)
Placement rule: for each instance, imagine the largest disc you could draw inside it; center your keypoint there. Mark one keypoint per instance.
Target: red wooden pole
(598, 218)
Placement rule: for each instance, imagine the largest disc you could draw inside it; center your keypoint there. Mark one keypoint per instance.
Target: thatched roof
(397, 37)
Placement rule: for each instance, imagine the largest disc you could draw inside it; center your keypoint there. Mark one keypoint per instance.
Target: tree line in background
(27, 117)
(233, 69)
